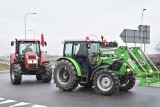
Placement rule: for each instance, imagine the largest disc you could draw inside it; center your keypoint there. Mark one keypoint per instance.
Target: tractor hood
(31, 60)
(107, 51)
(106, 55)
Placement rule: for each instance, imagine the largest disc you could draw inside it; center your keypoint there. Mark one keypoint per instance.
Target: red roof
(28, 40)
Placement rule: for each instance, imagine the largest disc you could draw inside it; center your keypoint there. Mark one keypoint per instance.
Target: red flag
(104, 41)
(42, 39)
(87, 39)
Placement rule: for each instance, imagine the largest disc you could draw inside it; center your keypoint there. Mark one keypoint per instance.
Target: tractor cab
(84, 51)
(81, 51)
(26, 45)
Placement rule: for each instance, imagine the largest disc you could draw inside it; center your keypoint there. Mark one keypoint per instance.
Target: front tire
(47, 72)
(65, 76)
(106, 82)
(15, 74)
(39, 77)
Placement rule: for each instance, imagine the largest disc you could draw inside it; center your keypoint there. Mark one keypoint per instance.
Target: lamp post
(33, 32)
(141, 31)
(25, 21)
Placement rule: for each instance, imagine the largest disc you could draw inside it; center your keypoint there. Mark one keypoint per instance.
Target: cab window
(68, 49)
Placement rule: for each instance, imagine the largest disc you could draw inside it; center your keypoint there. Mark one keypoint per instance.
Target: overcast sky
(66, 19)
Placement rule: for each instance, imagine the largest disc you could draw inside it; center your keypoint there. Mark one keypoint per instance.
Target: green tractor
(84, 63)
(104, 65)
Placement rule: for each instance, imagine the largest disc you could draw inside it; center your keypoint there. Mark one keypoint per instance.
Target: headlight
(30, 61)
(34, 61)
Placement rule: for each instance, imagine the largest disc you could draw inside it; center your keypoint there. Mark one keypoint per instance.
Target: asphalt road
(32, 93)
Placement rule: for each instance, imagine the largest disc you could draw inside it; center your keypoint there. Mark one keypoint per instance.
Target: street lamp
(141, 31)
(25, 21)
(33, 32)
(142, 16)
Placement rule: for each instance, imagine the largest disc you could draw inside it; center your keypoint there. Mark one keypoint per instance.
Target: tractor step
(84, 79)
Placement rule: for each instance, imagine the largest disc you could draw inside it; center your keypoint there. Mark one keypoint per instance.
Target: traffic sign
(136, 36)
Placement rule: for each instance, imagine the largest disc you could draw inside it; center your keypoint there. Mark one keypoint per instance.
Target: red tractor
(29, 60)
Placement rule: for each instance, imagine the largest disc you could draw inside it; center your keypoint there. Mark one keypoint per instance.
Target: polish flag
(42, 40)
(87, 39)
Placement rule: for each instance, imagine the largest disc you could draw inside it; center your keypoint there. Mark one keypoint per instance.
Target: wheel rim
(63, 75)
(104, 82)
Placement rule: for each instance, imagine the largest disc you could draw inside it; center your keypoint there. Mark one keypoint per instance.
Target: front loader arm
(138, 62)
(123, 53)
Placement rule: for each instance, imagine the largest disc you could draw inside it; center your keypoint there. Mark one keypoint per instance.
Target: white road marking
(7, 101)
(38, 106)
(20, 104)
(1, 98)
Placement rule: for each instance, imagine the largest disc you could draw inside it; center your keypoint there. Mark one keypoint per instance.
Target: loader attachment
(140, 64)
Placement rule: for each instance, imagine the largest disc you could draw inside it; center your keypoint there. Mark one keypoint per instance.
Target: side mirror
(45, 43)
(12, 43)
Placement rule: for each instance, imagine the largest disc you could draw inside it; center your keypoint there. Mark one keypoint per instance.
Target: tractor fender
(42, 58)
(101, 67)
(75, 63)
(12, 58)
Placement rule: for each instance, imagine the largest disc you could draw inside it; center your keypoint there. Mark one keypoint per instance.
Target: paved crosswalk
(13, 103)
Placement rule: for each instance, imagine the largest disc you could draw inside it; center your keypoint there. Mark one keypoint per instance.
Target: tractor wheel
(47, 72)
(65, 76)
(38, 77)
(15, 74)
(106, 82)
(128, 84)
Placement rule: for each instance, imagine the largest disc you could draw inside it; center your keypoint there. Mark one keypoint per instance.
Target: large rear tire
(65, 76)
(15, 74)
(106, 82)
(127, 84)
(47, 72)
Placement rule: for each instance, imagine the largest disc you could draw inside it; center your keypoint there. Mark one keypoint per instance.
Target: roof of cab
(81, 41)
(28, 40)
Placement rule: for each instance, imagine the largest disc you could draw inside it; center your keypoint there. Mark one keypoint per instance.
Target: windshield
(93, 47)
(28, 47)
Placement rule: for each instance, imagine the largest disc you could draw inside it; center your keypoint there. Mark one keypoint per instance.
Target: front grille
(32, 65)
(32, 57)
